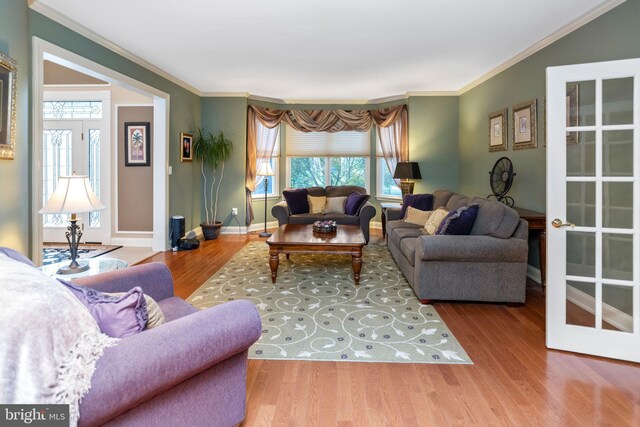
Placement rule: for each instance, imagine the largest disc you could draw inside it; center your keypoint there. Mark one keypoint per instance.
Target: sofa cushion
(440, 198)
(435, 219)
(424, 202)
(343, 190)
(335, 205)
(316, 203)
(354, 202)
(175, 308)
(401, 233)
(297, 200)
(416, 216)
(459, 222)
(408, 249)
(456, 201)
(494, 219)
(316, 191)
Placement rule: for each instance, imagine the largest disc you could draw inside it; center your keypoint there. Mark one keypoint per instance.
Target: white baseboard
(134, 242)
(534, 274)
(376, 225)
(260, 226)
(610, 314)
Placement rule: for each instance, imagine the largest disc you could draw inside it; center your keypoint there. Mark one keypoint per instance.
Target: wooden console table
(538, 222)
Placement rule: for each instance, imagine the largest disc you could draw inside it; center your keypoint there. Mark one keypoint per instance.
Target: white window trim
(380, 163)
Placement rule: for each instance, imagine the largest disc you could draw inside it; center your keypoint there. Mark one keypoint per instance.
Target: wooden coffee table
(300, 239)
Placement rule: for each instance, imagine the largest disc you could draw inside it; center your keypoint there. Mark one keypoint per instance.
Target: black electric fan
(500, 179)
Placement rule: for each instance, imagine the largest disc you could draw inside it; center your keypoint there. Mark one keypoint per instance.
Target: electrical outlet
(234, 211)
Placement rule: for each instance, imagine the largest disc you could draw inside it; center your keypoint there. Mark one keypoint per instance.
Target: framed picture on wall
(572, 112)
(186, 147)
(137, 145)
(8, 71)
(524, 125)
(498, 130)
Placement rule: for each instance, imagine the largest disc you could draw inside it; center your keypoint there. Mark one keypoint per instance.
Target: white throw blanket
(49, 343)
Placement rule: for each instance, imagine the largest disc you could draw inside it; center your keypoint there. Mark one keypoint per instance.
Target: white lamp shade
(265, 169)
(72, 195)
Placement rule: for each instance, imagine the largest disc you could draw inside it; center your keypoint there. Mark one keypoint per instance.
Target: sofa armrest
(281, 212)
(471, 249)
(367, 211)
(144, 365)
(154, 279)
(393, 214)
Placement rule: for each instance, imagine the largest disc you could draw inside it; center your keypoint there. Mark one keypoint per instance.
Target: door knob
(557, 223)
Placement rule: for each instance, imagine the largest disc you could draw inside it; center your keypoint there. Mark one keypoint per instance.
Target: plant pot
(211, 231)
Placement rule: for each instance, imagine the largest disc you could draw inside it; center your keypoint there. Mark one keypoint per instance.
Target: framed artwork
(524, 125)
(186, 147)
(572, 112)
(498, 130)
(8, 72)
(137, 146)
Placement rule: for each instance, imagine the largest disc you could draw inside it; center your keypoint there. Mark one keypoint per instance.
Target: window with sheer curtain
(386, 185)
(327, 158)
(273, 188)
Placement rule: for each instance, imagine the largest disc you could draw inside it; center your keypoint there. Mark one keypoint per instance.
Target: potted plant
(212, 150)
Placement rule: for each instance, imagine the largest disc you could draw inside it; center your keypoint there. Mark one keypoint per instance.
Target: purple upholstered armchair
(190, 371)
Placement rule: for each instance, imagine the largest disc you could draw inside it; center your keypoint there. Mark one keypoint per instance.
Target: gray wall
(614, 35)
(135, 183)
(230, 116)
(14, 174)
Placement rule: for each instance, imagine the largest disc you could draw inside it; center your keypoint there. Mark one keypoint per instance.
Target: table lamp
(266, 171)
(405, 172)
(73, 195)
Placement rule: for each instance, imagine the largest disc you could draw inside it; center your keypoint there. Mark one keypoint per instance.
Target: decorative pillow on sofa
(436, 217)
(118, 315)
(316, 204)
(354, 202)
(424, 202)
(459, 222)
(417, 216)
(297, 201)
(335, 205)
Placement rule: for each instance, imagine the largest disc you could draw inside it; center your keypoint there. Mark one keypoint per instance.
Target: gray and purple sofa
(191, 371)
(362, 217)
(489, 264)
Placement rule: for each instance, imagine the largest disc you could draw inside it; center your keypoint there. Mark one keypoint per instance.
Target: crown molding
(85, 32)
(572, 26)
(225, 94)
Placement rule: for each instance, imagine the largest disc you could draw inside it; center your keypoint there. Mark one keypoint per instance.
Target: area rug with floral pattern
(316, 312)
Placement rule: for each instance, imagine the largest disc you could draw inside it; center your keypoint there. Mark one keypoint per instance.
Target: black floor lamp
(266, 171)
(73, 195)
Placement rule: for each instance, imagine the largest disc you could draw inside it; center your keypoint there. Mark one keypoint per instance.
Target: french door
(593, 209)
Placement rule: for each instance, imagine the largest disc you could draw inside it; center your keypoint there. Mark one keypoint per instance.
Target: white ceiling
(326, 49)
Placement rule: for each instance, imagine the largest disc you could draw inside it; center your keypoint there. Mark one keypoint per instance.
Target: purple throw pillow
(424, 202)
(459, 222)
(354, 202)
(297, 201)
(118, 316)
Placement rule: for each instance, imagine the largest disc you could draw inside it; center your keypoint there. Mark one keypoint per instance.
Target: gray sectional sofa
(281, 211)
(490, 264)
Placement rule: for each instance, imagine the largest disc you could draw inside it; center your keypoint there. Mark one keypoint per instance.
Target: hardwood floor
(514, 381)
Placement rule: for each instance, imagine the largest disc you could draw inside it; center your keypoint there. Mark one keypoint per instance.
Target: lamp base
(73, 268)
(406, 187)
(264, 234)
